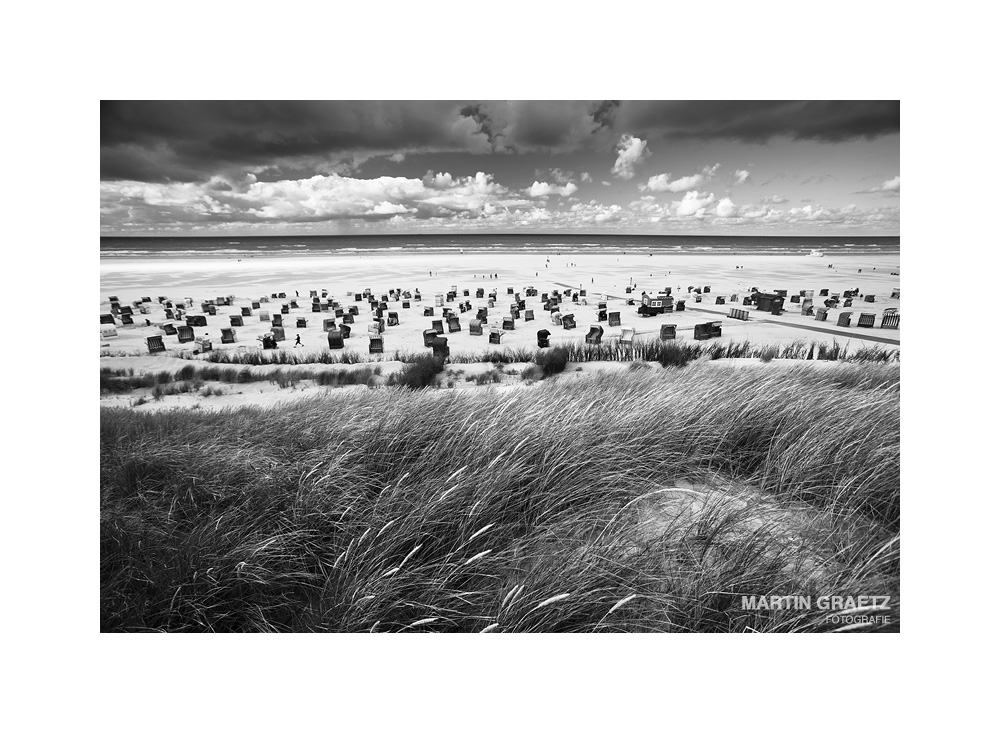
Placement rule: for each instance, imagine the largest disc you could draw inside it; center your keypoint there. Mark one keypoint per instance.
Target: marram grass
(638, 501)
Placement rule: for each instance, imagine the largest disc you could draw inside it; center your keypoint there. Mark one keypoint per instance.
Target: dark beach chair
(720, 300)
(155, 344)
(614, 319)
(284, 310)
(848, 302)
(278, 333)
(440, 347)
(796, 299)
(349, 318)
(375, 345)
(569, 321)
(602, 315)
(438, 326)
(454, 326)
(185, 334)
(739, 314)
(715, 329)
(329, 324)
(866, 320)
(821, 314)
(844, 319)
(595, 334)
(747, 301)
(869, 298)
(702, 331)
(169, 329)
(542, 337)
(482, 314)
(345, 331)
(824, 293)
(680, 305)
(229, 335)
(196, 321)
(281, 295)
(317, 307)
(235, 321)
(890, 320)
(301, 323)
(107, 318)
(529, 315)
(508, 323)
(406, 304)
(126, 310)
(495, 335)
(706, 289)
(335, 339)
(668, 332)
(429, 335)
(393, 319)
(428, 312)
(475, 327)
(276, 320)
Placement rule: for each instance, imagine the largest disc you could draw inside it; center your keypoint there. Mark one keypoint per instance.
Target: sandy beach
(603, 276)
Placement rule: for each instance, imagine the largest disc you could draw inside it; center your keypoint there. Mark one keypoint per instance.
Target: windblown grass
(639, 501)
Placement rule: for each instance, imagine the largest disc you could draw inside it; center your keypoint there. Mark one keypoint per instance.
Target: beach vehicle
(770, 302)
(155, 344)
(668, 331)
(595, 333)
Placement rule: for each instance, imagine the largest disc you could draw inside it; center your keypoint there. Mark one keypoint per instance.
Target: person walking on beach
(298, 340)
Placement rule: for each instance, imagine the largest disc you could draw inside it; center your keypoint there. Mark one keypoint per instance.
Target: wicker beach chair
(739, 314)
(845, 319)
(229, 335)
(454, 326)
(495, 334)
(668, 331)
(508, 323)
(595, 334)
(866, 320)
(543, 338)
(335, 339)
(155, 344)
(627, 337)
(569, 321)
(235, 321)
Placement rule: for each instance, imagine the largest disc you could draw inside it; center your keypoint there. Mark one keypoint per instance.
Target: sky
(391, 167)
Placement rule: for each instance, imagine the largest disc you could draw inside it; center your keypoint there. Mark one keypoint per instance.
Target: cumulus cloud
(605, 183)
(397, 157)
(740, 177)
(585, 177)
(693, 204)
(662, 182)
(889, 188)
(545, 189)
(774, 199)
(726, 209)
(631, 152)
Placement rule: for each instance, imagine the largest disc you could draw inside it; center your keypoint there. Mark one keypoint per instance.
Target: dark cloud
(759, 121)
(603, 113)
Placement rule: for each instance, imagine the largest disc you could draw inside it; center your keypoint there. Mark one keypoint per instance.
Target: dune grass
(644, 500)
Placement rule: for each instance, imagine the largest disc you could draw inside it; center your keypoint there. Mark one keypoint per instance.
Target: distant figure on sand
(298, 340)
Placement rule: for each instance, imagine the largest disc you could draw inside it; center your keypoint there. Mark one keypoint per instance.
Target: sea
(256, 246)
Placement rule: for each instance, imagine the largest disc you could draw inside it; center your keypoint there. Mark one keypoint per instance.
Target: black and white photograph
(482, 366)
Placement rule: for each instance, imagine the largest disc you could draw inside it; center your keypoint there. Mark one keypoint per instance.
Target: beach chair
(301, 323)
(126, 310)
(595, 334)
(428, 312)
(529, 315)
(109, 332)
(821, 314)
(185, 334)
(495, 335)
(614, 319)
(200, 321)
(475, 328)
(796, 299)
(668, 332)
(235, 321)
(376, 345)
(866, 320)
(284, 310)
(890, 320)
(329, 324)
(702, 331)
(735, 297)
(168, 328)
(706, 289)
(393, 319)
(438, 326)
(465, 293)
(845, 319)
(697, 298)
(406, 304)
(715, 329)
(276, 320)
(440, 347)
(345, 331)
(154, 344)
(491, 302)
(317, 308)
(720, 300)
(439, 300)
(508, 323)
(204, 343)
(556, 318)
(107, 318)
(348, 318)
(482, 315)
(335, 339)
(602, 315)
(542, 336)
(454, 326)
(680, 305)
(824, 293)
(739, 314)
(869, 298)
(229, 335)
(450, 297)
(264, 316)
(569, 321)
(748, 301)
(429, 335)
(848, 302)
(205, 306)
(627, 337)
